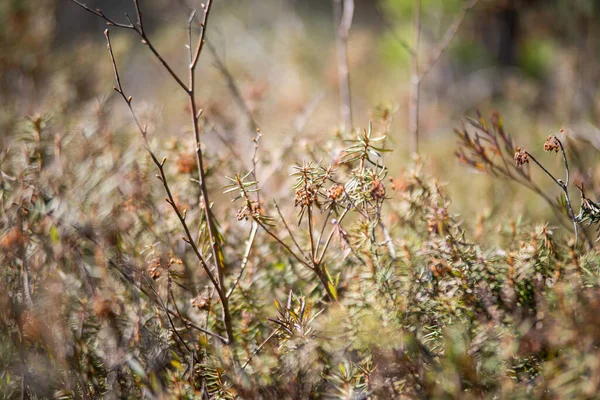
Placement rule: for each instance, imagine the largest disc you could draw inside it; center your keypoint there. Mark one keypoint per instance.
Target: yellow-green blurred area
(534, 61)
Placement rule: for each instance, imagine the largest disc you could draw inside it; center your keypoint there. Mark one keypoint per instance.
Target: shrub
(123, 279)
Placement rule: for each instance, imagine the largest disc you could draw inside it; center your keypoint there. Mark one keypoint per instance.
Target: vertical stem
(325, 282)
(313, 254)
(23, 255)
(343, 11)
(563, 186)
(217, 252)
(413, 117)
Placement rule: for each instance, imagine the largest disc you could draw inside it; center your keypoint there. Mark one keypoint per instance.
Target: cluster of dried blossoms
(521, 157)
(552, 144)
(306, 196)
(335, 192)
(309, 186)
(249, 209)
(377, 190)
(156, 266)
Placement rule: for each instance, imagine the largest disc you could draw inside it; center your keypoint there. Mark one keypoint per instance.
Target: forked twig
(336, 223)
(288, 229)
(159, 164)
(561, 184)
(139, 29)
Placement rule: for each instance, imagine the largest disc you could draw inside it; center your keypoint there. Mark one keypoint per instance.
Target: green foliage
(536, 57)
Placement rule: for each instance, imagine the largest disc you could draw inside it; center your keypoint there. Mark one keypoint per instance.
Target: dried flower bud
(377, 189)
(552, 143)
(521, 157)
(306, 196)
(334, 192)
(155, 268)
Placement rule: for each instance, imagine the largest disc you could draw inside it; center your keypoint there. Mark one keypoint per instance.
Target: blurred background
(534, 61)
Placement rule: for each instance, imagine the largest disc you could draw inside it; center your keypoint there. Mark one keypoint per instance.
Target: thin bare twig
(254, 172)
(388, 240)
(288, 229)
(322, 232)
(139, 29)
(311, 238)
(562, 185)
(447, 38)
(226, 73)
(215, 244)
(100, 14)
(413, 116)
(336, 223)
(23, 256)
(249, 244)
(190, 20)
(255, 352)
(166, 305)
(343, 14)
(285, 246)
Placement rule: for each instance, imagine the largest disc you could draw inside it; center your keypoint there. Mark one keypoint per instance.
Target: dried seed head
(521, 157)
(306, 196)
(377, 190)
(251, 209)
(552, 143)
(155, 268)
(334, 192)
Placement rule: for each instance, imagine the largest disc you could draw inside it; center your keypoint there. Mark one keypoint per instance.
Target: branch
(288, 229)
(215, 245)
(23, 255)
(206, 8)
(100, 14)
(562, 185)
(285, 246)
(139, 29)
(160, 165)
(336, 223)
(249, 244)
(227, 75)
